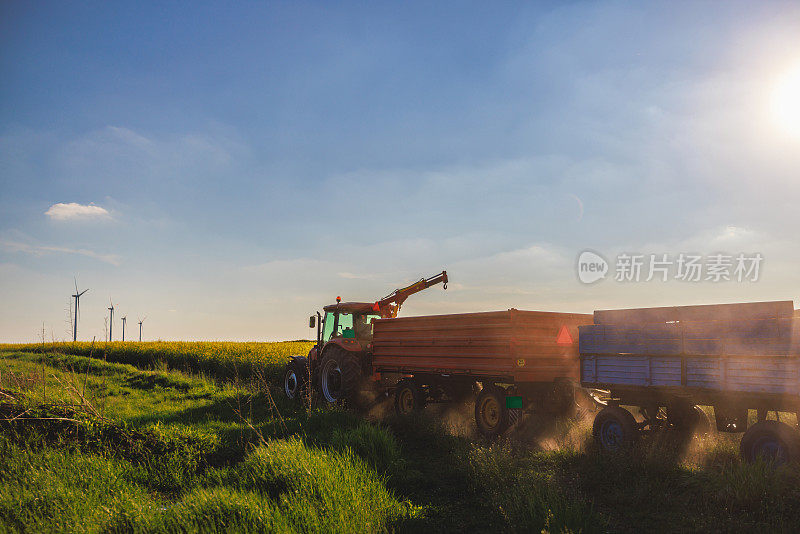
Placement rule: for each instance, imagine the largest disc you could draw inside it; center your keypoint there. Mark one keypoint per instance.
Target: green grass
(103, 446)
(96, 446)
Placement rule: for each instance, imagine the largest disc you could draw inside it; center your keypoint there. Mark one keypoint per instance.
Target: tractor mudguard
(312, 353)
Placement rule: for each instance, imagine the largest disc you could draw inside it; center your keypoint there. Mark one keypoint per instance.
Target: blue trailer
(667, 362)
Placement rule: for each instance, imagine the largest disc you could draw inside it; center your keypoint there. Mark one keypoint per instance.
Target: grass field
(194, 437)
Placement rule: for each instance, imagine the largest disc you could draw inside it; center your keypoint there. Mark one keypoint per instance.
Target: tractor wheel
(491, 413)
(614, 428)
(409, 397)
(295, 379)
(339, 374)
(771, 440)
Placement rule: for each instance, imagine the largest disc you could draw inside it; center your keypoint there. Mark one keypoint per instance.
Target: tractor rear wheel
(491, 413)
(409, 397)
(339, 374)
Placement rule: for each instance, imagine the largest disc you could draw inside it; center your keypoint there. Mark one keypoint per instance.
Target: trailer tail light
(564, 338)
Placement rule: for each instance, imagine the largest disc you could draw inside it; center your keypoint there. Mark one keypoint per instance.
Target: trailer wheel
(339, 374)
(295, 379)
(491, 414)
(614, 428)
(771, 440)
(409, 397)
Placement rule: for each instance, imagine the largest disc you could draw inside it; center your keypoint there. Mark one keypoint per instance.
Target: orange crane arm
(389, 305)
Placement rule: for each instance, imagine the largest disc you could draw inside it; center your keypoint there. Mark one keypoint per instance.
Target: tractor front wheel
(295, 379)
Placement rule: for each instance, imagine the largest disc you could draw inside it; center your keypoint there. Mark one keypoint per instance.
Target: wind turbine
(77, 297)
(124, 318)
(111, 320)
(140, 328)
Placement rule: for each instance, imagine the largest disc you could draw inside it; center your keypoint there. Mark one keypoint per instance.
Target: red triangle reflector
(376, 307)
(563, 337)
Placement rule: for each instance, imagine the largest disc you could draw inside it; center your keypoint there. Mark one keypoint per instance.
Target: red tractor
(340, 361)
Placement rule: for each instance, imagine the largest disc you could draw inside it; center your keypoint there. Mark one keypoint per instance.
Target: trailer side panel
(746, 348)
(521, 346)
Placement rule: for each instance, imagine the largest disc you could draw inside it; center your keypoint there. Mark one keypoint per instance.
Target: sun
(786, 102)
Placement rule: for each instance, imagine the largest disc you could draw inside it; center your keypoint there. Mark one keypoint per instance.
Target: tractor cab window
(348, 326)
(344, 327)
(327, 330)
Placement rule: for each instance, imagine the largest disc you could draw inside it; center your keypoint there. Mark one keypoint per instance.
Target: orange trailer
(517, 359)
(513, 345)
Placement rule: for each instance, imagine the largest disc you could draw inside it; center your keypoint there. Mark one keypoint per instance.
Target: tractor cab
(347, 321)
(339, 359)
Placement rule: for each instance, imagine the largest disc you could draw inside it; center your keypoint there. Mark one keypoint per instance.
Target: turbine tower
(111, 320)
(124, 318)
(77, 297)
(140, 328)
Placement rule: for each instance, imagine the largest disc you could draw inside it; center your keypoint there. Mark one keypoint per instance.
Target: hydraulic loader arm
(389, 305)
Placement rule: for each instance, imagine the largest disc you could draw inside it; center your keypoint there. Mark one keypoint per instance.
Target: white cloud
(41, 250)
(72, 211)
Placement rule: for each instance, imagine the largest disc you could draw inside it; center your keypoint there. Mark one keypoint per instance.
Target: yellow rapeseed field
(218, 359)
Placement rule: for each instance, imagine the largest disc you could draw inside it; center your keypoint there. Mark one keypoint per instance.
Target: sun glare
(786, 102)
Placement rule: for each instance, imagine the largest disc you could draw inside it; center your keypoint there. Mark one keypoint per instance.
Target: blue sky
(228, 169)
